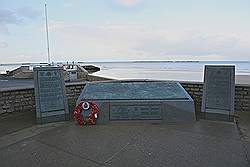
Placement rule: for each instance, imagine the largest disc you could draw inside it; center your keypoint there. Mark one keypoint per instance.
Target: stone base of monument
(217, 116)
(146, 101)
(55, 118)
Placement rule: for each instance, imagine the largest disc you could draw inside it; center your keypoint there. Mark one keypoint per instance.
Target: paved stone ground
(243, 124)
(12, 122)
(204, 143)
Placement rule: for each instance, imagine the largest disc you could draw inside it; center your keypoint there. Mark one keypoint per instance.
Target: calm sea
(160, 70)
(164, 70)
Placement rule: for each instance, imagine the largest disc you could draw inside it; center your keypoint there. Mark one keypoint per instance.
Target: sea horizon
(125, 61)
(180, 70)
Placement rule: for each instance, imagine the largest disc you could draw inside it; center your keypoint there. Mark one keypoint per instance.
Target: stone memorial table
(156, 101)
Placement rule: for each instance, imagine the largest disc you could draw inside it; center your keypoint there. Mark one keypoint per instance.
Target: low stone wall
(242, 95)
(23, 99)
(17, 100)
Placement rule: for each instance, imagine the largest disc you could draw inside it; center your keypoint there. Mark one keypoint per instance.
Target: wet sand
(242, 79)
(192, 76)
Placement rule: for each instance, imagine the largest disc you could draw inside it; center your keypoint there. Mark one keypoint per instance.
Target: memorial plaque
(51, 102)
(140, 111)
(218, 90)
(140, 100)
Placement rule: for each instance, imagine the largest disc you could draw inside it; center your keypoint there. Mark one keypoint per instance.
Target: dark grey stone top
(158, 90)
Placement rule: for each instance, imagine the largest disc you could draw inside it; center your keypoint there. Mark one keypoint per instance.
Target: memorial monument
(155, 101)
(50, 95)
(218, 92)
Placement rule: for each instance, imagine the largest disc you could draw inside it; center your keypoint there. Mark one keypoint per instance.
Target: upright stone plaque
(218, 92)
(50, 94)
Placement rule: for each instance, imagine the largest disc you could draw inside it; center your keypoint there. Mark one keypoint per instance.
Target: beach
(242, 79)
(165, 70)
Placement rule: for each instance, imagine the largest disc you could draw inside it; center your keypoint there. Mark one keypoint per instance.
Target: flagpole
(47, 33)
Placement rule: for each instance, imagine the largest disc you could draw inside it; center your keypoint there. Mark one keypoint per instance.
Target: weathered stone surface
(219, 90)
(140, 100)
(51, 102)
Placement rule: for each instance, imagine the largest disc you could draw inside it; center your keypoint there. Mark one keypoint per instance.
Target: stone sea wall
(23, 99)
(242, 95)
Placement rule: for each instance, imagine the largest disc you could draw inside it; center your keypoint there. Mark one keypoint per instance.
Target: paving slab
(33, 153)
(133, 156)
(221, 129)
(94, 142)
(180, 148)
(12, 122)
(204, 143)
(243, 124)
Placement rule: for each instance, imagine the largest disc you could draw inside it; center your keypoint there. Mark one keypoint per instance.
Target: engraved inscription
(135, 91)
(50, 91)
(135, 112)
(218, 88)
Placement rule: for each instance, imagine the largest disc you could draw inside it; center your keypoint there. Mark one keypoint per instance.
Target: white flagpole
(47, 32)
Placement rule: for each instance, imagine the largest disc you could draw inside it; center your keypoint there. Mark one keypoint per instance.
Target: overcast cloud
(140, 42)
(16, 16)
(108, 30)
